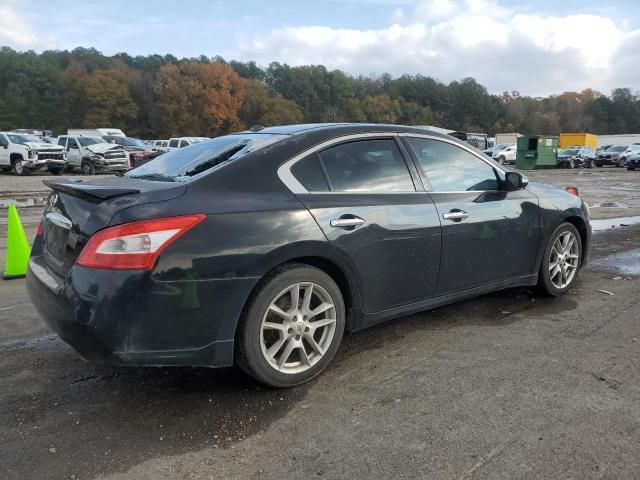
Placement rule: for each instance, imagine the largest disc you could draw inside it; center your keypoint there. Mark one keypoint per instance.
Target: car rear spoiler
(92, 193)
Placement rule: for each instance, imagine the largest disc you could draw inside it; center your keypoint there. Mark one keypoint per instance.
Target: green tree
(261, 108)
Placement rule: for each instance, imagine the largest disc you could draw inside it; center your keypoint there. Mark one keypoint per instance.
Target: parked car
(261, 248)
(139, 152)
(611, 156)
(161, 146)
(576, 156)
(630, 151)
(633, 162)
(497, 148)
(93, 154)
(181, 142)
(507, 155)
(24, 153)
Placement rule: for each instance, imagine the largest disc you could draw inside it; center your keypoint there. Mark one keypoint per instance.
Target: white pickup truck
(93, 154)
(23, 153)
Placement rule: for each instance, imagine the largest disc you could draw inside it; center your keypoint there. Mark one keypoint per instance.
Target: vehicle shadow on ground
(105, 419)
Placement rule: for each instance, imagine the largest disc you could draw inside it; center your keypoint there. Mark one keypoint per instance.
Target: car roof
(345, 129)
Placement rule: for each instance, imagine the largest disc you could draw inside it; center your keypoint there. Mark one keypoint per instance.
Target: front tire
(18, 167)
(561, 261)
(620, 163)
(502, 160)
(292, 326)
(88, 168)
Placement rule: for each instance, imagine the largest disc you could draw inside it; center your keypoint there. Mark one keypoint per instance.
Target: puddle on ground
(626, 263)
(609, 205)
(608, 223)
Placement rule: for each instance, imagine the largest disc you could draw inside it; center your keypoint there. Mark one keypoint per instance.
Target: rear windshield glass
(183, 164)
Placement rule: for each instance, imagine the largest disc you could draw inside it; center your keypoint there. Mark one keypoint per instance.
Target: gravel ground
(508, 385)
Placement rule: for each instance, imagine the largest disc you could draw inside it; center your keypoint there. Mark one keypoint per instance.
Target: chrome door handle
(349, 222)
(455, 215)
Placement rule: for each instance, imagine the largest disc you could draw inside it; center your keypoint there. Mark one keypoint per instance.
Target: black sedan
(633, 162)
(263, 247)
(574, 157)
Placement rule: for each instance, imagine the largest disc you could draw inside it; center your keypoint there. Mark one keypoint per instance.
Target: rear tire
(559, 267)
(279, 342)
(88, 168)
(18, 167)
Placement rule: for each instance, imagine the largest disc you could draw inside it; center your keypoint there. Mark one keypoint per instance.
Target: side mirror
(515, 181)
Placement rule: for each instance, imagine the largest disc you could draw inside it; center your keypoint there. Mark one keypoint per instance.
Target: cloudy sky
(538, 47)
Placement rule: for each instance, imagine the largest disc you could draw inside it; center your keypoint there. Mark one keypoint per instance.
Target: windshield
(568, 151)
(86, 141)
(23, 138)
(617, 148)
(182, 164)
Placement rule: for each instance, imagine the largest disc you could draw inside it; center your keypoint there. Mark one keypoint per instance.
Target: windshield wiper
(160, 177)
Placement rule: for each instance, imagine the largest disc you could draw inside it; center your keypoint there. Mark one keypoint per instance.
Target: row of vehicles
(577, 156)
(87, 150)
(164, 146)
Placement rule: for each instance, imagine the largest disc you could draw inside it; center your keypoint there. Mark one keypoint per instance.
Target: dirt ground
(508, 385)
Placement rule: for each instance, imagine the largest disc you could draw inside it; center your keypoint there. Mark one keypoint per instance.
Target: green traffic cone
(18, 249)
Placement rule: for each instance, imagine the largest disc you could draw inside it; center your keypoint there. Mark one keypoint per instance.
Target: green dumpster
(536, 152)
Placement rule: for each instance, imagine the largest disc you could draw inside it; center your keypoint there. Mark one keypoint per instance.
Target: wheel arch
(581, 226)
(337, 270)
(14, 157)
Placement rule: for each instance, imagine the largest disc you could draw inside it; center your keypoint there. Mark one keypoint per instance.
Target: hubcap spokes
(298, 327)
(563, 260)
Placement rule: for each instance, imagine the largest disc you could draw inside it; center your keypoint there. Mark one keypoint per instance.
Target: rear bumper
(128, 318)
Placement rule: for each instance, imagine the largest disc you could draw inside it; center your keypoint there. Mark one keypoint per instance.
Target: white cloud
(502, 48)
(15, 31)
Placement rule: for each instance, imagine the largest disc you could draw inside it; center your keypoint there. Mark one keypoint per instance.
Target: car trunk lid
(76, 209)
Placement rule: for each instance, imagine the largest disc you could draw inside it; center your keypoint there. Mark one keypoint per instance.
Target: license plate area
(56, 235)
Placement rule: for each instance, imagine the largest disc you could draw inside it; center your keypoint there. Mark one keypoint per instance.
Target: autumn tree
(107, 99)
(193, 98)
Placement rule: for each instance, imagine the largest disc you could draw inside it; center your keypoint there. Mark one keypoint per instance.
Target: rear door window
(173, 143)
(366, 166)
(183, 143)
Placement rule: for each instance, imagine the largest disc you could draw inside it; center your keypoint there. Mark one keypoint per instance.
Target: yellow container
(571, 139)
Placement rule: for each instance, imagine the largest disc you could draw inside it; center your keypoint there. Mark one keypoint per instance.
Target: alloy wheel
(298, 328)
(18, 167)
(563, 260)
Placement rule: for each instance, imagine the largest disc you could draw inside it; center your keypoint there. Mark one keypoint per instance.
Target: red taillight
(137, 245)
(573, 191)
(39, 230)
